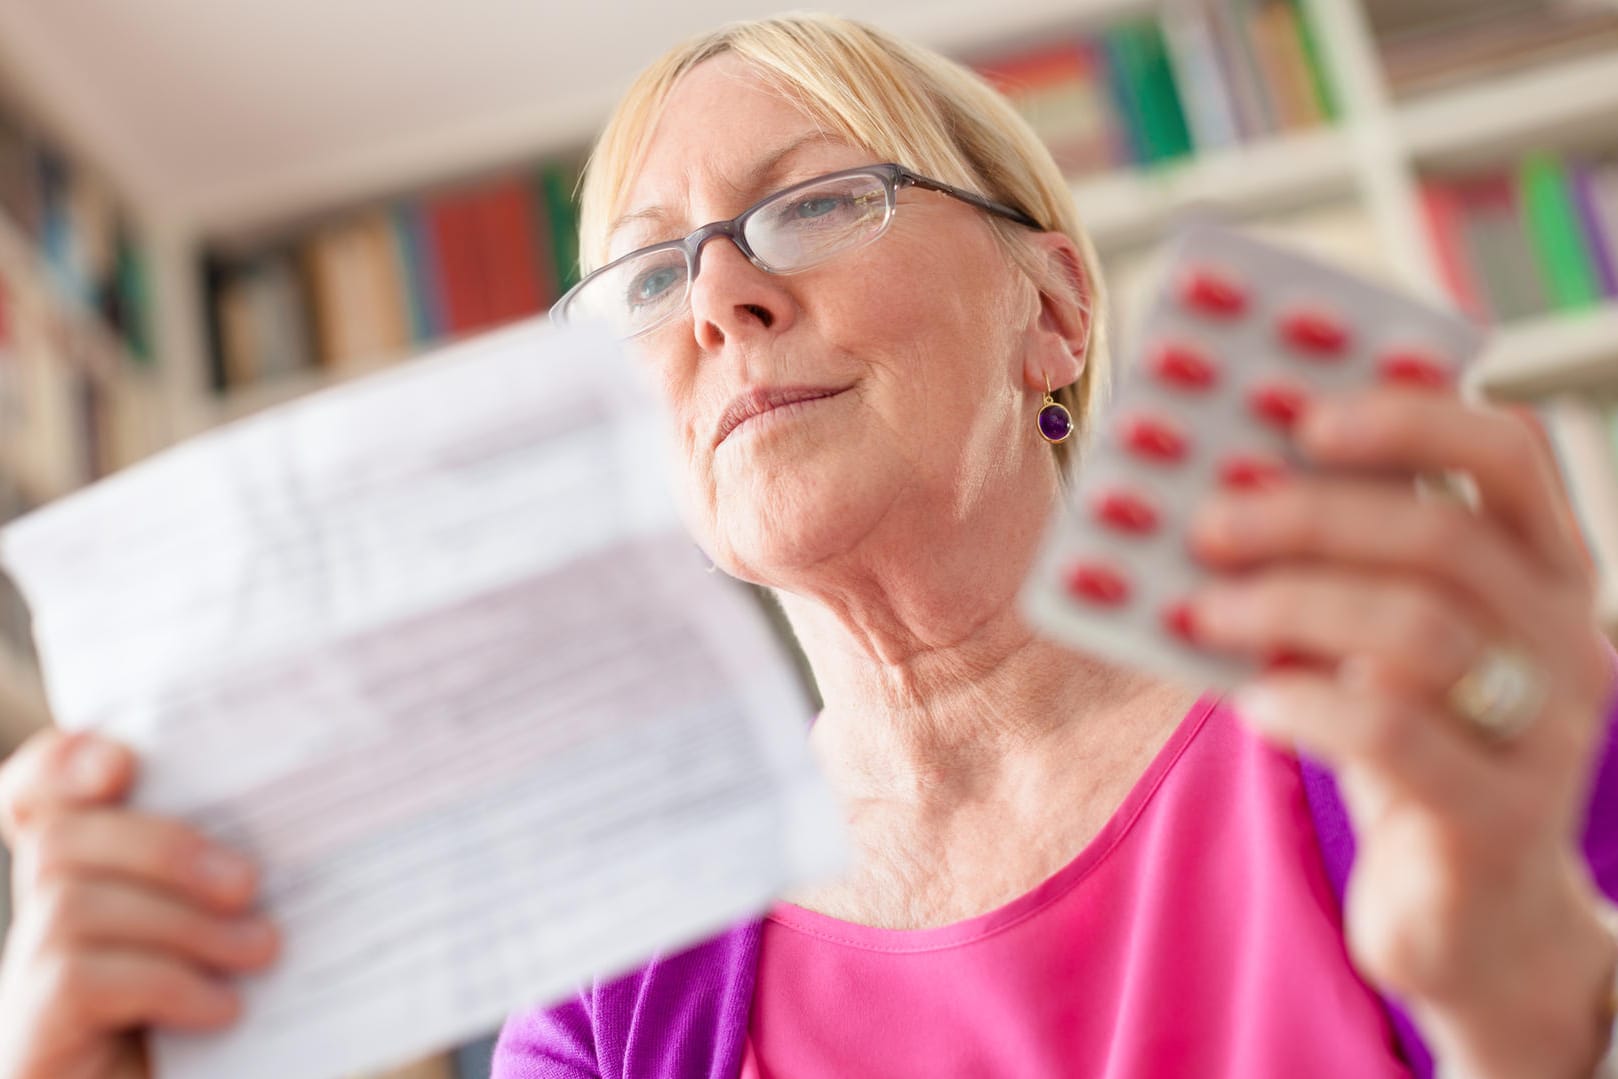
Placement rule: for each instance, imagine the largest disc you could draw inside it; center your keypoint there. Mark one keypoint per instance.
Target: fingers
(55, 769)
(88, 914)
(155, 852)
(1372, 525)
(1428, 432)
(121, 988)
(1418, 639)
(1411, 747)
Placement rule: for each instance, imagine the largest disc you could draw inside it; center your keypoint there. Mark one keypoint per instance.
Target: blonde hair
(901, 102)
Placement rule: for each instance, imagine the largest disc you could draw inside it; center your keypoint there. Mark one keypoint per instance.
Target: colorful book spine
(423, 288)
(1446, 227)
(1554, 232)
(1278, 49)
(1153, 98)
(556, 191)
(1600, 232)
(505, 220)
(1499, 247)
(1315, 56)
(1209, 107)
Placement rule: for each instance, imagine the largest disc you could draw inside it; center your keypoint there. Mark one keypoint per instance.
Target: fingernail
(91, 766)
(1218, 523)
(224, 871)
(1330, 425)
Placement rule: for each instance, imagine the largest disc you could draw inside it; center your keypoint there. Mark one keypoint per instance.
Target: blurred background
(209, 208)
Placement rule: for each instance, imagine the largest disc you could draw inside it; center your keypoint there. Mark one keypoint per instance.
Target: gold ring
(1500, 694)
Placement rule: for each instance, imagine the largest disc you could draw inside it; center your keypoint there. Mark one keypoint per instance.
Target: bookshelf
(1369, 157)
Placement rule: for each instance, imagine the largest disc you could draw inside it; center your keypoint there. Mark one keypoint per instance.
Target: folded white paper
(434, 648)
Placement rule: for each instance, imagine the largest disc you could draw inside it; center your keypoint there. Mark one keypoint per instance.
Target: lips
(757, 402)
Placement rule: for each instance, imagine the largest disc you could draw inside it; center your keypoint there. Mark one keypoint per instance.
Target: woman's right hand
(121, 920)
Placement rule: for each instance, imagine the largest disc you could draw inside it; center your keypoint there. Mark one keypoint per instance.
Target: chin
(782, 520)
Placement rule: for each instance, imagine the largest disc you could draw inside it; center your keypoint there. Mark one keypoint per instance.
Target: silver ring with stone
(1500, 694)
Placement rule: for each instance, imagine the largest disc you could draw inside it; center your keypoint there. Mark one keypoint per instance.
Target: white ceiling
(221, 114)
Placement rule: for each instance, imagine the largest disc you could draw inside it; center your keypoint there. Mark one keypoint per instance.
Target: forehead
(721, 126)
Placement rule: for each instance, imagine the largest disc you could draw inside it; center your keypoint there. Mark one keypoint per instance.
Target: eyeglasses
(790, 231)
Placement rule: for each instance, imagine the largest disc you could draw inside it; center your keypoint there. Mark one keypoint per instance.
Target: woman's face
(915, 349)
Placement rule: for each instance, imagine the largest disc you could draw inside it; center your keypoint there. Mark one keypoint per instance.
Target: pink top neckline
(1030, 903)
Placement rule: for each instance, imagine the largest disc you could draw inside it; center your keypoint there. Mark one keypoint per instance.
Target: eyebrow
(761, 174)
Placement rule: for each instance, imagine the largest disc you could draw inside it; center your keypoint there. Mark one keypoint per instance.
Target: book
(556, 189)
(1154, 99)
(1278, 49)
(1061, 90)
(1602, 190)
(1497, 245)
(1228, 21)
(424, 299)
(1554, 232)
(358, 292)
(1446, 227)
(281, 316)
(505, 215)
(1315, 57)
(452, 219)
(1199, 67)
(239, 333)
(1600, 234)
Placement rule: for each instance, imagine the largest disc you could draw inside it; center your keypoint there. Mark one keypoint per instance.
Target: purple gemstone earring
(1055, 423)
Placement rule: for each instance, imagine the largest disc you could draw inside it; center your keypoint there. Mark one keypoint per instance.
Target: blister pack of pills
(1239, 337)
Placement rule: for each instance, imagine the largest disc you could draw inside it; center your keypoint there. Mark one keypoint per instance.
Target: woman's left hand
(1468, 897)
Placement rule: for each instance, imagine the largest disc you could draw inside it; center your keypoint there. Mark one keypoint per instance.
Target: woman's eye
(818, 206)
(648, 286)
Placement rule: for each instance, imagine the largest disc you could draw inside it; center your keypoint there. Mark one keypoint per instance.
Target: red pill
(1154, 439)
(1286, 659)
(1097, 584)
(1178, 621)
(1251, 471)
(1277, 404)
(1213, 293)
(1126, 512)
(1409, 367)
(1184, 366)
(1315, 334)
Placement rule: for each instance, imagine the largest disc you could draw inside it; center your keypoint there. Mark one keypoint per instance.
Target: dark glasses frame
(894, 177)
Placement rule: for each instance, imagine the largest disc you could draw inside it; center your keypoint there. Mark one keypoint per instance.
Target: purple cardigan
(684, 1016)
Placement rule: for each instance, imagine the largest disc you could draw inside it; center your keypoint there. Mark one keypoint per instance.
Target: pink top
(1195, 935)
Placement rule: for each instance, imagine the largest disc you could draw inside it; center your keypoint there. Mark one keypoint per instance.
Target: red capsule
(1095, 583)
(1154, 439)
(1315, 334)
(1126, 512)
(1410, 367)
(1179, 622)
(1286, 659)
(1184, 367)
(1277, 404)
(1213, 293)
(1251, 472)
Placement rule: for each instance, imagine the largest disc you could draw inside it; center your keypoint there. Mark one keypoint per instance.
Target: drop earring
(1054, 421)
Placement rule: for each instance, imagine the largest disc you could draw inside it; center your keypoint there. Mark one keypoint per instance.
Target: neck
(935, 689)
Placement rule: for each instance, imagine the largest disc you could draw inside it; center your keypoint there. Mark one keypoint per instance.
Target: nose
(731, 298)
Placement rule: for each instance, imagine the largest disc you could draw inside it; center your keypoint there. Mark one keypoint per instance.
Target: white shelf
(1504, 113)
(1131, 207)
(1551, 352)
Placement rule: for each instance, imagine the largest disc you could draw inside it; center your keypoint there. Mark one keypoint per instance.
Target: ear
(1059, 338)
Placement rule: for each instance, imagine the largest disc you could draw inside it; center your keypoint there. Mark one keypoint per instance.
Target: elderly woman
(1062, 867)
